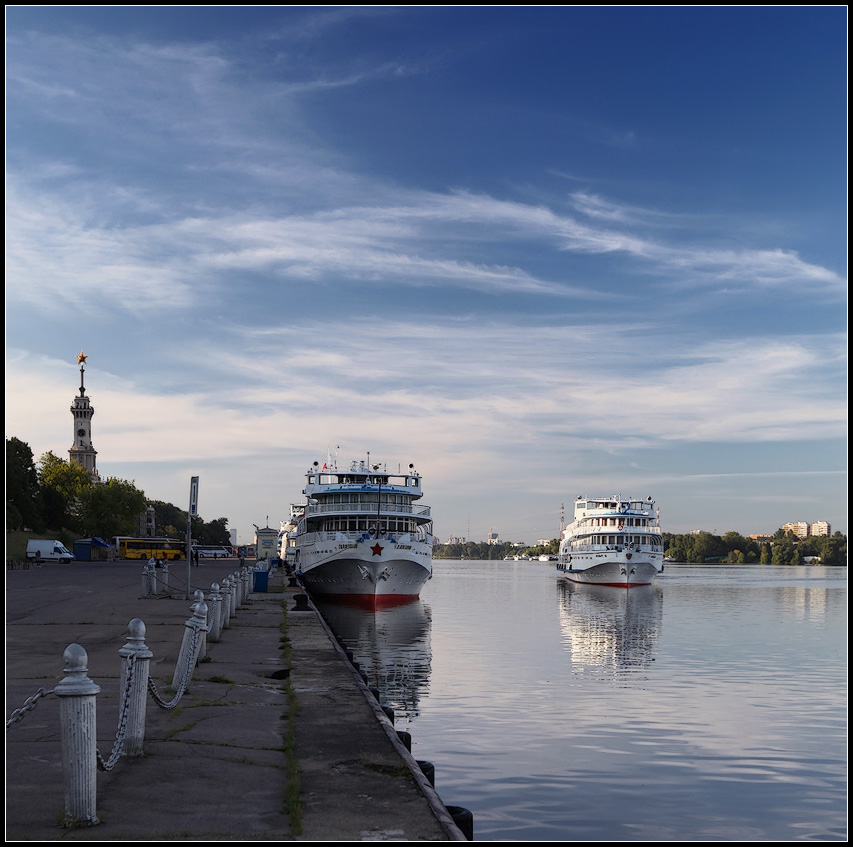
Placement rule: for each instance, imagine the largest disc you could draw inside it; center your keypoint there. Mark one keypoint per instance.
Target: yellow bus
(145, 548)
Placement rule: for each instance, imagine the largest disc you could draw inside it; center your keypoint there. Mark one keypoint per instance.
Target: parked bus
(146, 548)
(212, 551)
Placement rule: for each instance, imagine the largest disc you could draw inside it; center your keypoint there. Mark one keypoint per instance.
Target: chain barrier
(185, 677)
(29, 704)
(121, 732)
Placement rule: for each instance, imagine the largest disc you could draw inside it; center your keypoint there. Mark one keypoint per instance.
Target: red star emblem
(377, 549)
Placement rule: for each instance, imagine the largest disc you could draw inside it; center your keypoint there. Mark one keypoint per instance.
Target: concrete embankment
(215, 767)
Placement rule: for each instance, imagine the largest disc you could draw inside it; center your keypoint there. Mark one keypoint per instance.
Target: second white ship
(612, 541)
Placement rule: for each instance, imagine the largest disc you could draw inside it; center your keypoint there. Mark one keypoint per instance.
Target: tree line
(55, 494)
(733, 548)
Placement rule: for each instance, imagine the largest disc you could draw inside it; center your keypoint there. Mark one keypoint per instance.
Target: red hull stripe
(369, 601)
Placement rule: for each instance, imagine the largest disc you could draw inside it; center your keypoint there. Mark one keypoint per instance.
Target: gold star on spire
(81, 358)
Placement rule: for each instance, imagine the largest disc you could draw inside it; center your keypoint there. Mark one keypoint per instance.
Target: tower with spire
(82, 452)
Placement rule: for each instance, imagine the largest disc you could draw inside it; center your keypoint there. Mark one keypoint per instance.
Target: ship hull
(617, 571)
(368, 573)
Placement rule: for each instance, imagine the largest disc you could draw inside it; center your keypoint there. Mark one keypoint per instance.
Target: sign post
(192, 511)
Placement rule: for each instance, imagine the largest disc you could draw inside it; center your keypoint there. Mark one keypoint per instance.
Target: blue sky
(536, 252)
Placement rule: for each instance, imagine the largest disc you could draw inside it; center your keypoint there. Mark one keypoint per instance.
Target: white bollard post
(146, 581)
(164, 577)
(214, 603)
(189, 648)
(198, 602)
(203, 627)
(235, 597)
(135, 667)
(226, 602)
(77, 719)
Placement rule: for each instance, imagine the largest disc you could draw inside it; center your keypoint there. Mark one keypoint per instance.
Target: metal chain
(185, 678)
(124, 708)
(29, 704)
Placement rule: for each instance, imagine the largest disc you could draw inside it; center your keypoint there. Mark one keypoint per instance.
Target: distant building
(82, 452)
(798, 528)
(802, 529)
(266, 542)
(492, 537)
(453, 539)
(146, 524)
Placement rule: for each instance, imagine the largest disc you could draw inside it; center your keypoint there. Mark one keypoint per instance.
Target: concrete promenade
(215, 768)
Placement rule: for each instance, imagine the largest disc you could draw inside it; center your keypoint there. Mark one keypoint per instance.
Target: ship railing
(651, 546)
(352, 535)
(368, 509)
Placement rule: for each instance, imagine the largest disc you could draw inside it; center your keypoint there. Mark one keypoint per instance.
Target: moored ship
(362, 538)
(612, 541)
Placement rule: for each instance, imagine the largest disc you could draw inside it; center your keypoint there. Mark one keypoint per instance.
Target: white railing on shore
(78, 693)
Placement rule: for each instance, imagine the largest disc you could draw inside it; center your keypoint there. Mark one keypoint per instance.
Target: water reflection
(609, 631)
(393, 648)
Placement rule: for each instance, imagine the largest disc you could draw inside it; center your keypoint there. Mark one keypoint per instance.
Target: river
(709, 706)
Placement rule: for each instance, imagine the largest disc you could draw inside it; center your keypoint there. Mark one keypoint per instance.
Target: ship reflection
(610, 632)
(393, 648)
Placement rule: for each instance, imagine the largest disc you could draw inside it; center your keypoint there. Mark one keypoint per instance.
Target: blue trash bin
(261, 581)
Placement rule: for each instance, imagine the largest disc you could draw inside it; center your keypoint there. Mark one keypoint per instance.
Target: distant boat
(361, 537)
(612, 541)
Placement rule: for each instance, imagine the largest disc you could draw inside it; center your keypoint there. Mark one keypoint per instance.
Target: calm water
(710, 706)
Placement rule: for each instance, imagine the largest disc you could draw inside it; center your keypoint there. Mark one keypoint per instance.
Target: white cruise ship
(362, 537)
(612, 541)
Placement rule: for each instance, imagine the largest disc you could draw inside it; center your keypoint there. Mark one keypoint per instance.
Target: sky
(537, 252)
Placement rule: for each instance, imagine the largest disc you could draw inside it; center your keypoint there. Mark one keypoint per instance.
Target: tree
(212, 533)
(23, 507)
(62, 484)
(169, 520)
(111, 508)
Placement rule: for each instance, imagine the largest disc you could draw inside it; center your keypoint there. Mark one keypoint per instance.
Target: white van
(48, 551)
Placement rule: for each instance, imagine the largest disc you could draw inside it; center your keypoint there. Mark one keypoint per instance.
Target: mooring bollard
(135, 667)
(463, 818)
(214, 602)
(77, 722)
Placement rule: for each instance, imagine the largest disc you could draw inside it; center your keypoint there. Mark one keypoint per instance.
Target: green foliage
(23, 506)
(733, 548)
(61, 484)
(110, 509)
(484, 550)
(171, 522)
